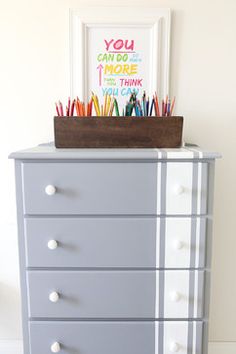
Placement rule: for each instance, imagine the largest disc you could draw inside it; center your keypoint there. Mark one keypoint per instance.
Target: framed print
(118, 51)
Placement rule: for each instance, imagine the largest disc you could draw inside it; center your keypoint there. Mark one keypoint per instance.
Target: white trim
(16, 347)
(222, 348)
(11, 347)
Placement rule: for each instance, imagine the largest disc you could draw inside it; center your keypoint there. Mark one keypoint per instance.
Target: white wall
(34, 72)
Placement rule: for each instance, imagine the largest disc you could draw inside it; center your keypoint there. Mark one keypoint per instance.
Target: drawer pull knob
(50, 189)
(54, 296)
(175, 296)
(174, 347)
(178, 189)
(178, 245)
(55, 347)
(52, 244)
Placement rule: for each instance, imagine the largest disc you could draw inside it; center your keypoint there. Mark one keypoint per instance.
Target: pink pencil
(61, 108)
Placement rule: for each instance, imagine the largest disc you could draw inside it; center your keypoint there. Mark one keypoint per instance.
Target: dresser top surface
(49, 151)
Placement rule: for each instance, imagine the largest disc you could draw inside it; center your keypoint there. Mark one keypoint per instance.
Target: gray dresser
(114, 249)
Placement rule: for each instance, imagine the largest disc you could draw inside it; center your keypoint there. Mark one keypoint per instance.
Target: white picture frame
(149, 26)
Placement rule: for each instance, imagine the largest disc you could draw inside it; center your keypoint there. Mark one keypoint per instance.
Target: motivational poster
(119, 61)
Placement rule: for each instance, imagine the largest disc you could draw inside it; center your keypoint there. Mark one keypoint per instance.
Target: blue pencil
(152, 104)
(147, 107)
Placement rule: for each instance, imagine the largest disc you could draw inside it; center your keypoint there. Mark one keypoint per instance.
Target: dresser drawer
(115, 294)
(115, 242)
(116, 337)
(90, 188)
(115, 188)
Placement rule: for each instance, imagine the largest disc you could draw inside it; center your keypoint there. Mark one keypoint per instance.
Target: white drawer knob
(55, 347)
(174, 347)
(52, 244)
(175, 296)
(178, 245)
(54, 296)
(50, 189)
(178, 189)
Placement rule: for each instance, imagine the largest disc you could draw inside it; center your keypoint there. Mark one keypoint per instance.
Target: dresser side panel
(22, 258)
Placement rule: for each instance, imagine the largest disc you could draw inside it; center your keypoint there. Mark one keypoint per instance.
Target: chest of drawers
(114, 249)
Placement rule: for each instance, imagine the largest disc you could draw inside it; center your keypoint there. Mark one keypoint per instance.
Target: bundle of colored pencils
(106, 109)
(141, 108)
(82, 109)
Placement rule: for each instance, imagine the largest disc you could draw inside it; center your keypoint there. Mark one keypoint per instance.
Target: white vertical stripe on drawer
(158, 196)
(176, 332)
(160, 280)
(197, 246)
(194, 339)
(179, 174)
(195, 300)
(199, 188)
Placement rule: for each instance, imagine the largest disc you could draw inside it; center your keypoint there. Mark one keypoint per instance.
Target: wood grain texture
(118, 132)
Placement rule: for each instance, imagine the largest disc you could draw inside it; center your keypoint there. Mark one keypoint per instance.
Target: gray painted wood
(91, 242)
(132, 293)
(105, 294)
(93, 337)
(48, 151)
(90, 188)
(112, 337)
(107, 242)
(22, 259)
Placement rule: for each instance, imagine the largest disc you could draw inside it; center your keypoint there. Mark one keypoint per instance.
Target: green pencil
(116, 107)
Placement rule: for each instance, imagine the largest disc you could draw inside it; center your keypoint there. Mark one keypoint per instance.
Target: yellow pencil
(108, 104)
(96, 104)
(105, 105)
(112, 107)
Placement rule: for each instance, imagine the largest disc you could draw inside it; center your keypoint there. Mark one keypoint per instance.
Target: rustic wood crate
(118, 132)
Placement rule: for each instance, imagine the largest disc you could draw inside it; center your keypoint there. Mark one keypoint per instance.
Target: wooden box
(118, 132)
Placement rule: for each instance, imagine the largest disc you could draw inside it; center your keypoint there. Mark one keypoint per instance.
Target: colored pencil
(172, 106)
(151, 108)
(58, 113)
(61, 109)
(72, 108)
(116, 107)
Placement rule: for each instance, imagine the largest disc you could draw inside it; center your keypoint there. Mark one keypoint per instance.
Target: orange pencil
(157, 105)
(172, 106)
(77, 108)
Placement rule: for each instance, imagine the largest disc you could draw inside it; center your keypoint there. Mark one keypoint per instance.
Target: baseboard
(222, 348)
(15, 347)
(11, 347)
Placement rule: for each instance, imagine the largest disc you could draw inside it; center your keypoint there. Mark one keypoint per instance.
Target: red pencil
(72, 108)
(69, 105)
(163, 108)
(91, 107)
(58, 113)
